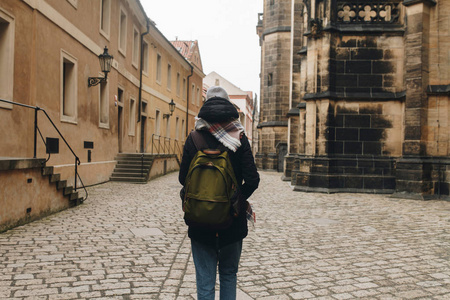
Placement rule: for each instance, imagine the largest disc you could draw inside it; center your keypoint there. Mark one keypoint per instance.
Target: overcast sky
(224, 29)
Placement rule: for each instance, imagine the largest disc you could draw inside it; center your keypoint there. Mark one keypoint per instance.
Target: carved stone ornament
(368, 12)
(316, 27)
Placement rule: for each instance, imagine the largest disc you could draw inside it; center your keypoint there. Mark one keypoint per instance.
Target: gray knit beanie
(216, 91)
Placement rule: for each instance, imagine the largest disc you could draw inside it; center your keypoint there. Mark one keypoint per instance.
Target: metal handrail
(161, 145)
(36, 128)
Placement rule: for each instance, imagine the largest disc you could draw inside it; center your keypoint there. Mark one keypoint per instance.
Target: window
(7, 27)
(177, 129)
(169, 77)
(158, 68)
(217, 83)
(158, 123)
(270, 79)
(103, 105)
(105, 17)
(145, 58)
(132, 118)
(198, 96)
(168, 127)
(123, 32)
(135, 56)
(178, 84)
(68, 89)
(193, 94)
(184, 88)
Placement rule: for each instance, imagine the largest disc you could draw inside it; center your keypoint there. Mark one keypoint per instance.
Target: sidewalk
(129, 241)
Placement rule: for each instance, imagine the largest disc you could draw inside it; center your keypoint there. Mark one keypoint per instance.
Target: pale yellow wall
(45, 32)
(17, 195)
(158, 95)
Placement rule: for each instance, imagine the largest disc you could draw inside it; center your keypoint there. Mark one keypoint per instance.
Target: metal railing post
(35, 131)
(76, 173)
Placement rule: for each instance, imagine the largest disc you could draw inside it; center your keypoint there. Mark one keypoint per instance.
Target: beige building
(168, 76)
(354, 95)
(243, 100)
(49, 51)
(191, 52)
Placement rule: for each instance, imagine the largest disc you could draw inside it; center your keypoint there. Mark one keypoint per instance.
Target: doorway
(282, 151)
(120, 119)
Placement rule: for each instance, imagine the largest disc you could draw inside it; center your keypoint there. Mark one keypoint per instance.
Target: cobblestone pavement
(129, 242)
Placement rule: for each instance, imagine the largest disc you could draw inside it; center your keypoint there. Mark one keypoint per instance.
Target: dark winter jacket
(244, 169)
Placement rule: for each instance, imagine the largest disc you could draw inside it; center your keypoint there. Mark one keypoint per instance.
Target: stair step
(47, 171)
(135, 155)
(135, 167)
(123, 174)
(129, 179)
(61, 184)
(134, 158)
(76, 201)
(68, 190)
(133, 162)
(130, 170)
(73, 196)
(55, 177)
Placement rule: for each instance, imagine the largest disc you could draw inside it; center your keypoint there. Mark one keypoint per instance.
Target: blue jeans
(206, 259)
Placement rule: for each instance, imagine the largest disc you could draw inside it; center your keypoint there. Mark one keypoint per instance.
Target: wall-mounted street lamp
(105, 64)
(171, 108)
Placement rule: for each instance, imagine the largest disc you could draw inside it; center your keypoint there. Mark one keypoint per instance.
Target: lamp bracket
(93, 81)
(166, 116)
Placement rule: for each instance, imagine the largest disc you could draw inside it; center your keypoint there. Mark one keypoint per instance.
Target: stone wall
(275, 81)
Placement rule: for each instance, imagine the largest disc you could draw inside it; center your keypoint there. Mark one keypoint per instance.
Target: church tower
(274, 29)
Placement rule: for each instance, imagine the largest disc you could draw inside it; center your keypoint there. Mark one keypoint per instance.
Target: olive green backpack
(211, 190)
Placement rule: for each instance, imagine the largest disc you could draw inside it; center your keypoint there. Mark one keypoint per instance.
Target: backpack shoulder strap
(198, 140)
(201, 142)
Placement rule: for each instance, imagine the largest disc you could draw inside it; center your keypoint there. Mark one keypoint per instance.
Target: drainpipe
(140, 82)
(187, 101)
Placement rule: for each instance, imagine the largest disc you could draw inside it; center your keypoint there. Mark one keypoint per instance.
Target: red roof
(189, 49)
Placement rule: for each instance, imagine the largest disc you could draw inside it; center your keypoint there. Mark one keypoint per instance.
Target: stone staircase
(129, 167)
(68, 191)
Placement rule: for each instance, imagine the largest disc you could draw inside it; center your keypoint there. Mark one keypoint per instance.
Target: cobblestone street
(129, 241)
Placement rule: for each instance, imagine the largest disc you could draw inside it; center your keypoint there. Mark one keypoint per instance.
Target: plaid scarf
(228, 133)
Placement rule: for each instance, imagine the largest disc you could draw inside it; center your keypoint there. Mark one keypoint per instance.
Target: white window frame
(103, 104)
(193, 94)
(122, 40)
(169, 77)
(105, 18)
(7, 60)
(72, 90)
(135, 54)
(132, 117)
(158, 70)
(145, 61)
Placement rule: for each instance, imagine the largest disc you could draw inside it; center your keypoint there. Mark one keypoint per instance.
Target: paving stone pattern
(128, 241)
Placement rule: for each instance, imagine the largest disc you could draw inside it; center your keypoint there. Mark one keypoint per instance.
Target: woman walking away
(218, 127)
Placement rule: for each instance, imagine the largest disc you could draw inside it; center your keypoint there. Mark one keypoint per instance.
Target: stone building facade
(48, 51)
(358, 92)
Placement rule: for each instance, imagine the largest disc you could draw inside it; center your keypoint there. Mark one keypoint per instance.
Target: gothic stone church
(355, 95)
